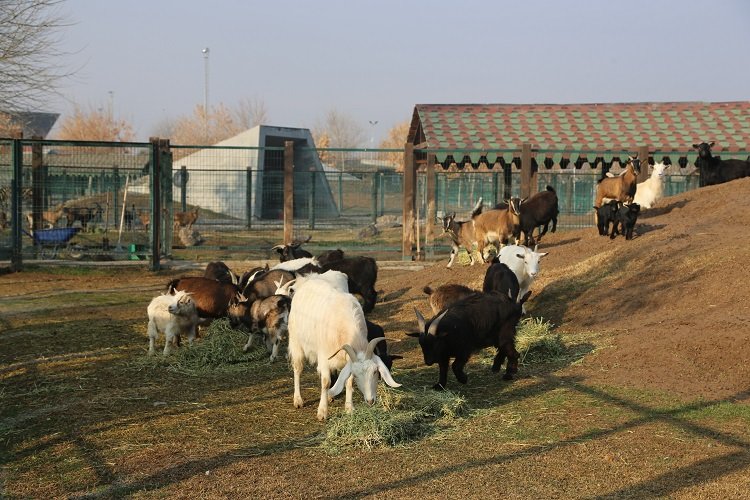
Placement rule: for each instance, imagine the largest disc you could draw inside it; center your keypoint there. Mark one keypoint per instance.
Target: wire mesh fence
(98, 201)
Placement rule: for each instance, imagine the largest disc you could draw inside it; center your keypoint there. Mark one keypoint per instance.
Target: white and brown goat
(461, 233)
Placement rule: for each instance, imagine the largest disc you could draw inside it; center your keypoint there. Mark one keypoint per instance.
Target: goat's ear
(696, 146)
(711, 144)
(542, 254)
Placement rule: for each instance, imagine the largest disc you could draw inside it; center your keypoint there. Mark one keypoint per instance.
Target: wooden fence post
(156, 208)
(38, 184)
(431, 215)
(288, 192)
(527, 174)
(409, 206)
(643, 156)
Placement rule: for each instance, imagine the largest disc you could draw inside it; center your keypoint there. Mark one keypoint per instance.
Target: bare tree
(95, 124)
(251, 112)
(396, 139)
(342, 130)
(29, 52)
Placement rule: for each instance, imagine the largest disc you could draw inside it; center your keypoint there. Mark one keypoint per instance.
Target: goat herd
(310, 301)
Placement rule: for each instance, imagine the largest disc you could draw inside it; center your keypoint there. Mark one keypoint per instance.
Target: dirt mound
(672, 302)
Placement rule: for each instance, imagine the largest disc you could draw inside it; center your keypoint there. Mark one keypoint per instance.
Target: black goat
(330, 256)
(220, 272)
(362, 273)
(381, 349)
(537, 210)
(627, 215)
(714, 170)
(478, 321)
(606, 215)
(500, 278)
(292, 250)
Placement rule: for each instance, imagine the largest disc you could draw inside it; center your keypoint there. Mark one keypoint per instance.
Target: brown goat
(496, 226)
(185, 219)
(267, 317)
(621, 188)
(461, 233)
(445, 295)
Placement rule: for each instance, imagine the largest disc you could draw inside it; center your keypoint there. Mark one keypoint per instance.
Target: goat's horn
(349, 350)
(371, 347)
(434, 325)
(277, 247)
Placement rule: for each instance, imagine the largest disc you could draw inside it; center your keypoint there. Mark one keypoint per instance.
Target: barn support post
(643, 156)
(311, 200)
(167, 198)
(288, 192)
(374, 197)
(507, 180)
(16, 185)
(156, 209)
(115, 195)
(529, 183)
(410, 183)
(183, 187)
(431, 215)
(37, 183)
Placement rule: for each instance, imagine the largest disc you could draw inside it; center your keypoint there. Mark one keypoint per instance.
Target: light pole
(372, 133)
(205, 95)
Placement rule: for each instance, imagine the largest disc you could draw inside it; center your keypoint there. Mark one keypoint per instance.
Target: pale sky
(374, 60)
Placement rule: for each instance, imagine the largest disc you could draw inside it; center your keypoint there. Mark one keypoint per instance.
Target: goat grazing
(292, 250)
(524, 262)
(267, 317)
(620, 188)
(461, 233)
(445, 295)
(627, 215)
(212, 298)
(714, 170)
(326, 325)
(652, 189)
(500, 278)
(174, 315)
(606, 215)
(478, 321)
(495, 226)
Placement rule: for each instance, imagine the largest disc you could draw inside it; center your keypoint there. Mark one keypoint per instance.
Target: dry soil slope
(673, 300)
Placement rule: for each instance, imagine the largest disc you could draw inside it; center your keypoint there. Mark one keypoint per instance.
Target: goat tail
(551, 189)
(477, 208)
(427, 290)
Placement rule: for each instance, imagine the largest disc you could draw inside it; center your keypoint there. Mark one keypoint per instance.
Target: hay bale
(397, 418)
(537, 343)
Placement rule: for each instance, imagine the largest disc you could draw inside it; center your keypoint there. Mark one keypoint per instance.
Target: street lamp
(372, 132)
(205, 95)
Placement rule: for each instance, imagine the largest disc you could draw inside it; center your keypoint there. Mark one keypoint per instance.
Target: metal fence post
(183, 187)
(526, 170)
(249, 197)
(16, 184)
(38, 183)
(311, 200)
(381, 188)
(115, 194)
(374, 197)
(288, 191)
(155, 173)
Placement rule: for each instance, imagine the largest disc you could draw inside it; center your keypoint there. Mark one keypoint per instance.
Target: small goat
(174, 315)
(606, 215)
(627, 215)
(652, 189)
(500, 278)
(496, 226)
(461, 233)
(185, 219)
(445, 295)
(267, 317)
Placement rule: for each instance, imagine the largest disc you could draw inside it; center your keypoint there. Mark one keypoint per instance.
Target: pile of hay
(396, 418)
(536, 343)
(218, 349)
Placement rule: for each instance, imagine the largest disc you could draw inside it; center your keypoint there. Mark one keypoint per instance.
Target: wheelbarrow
(52, 239)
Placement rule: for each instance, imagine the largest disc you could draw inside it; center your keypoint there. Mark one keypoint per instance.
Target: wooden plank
(409, 207)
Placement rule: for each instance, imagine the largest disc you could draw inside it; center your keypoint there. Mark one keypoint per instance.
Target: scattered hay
(536, 343)
(397, 418)
(219, 349)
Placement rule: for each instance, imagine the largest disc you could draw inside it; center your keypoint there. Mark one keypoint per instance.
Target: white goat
(652, 189)
(337, 279)
(524, 262)
(174, 315)
(296, 264)
(326, 325)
